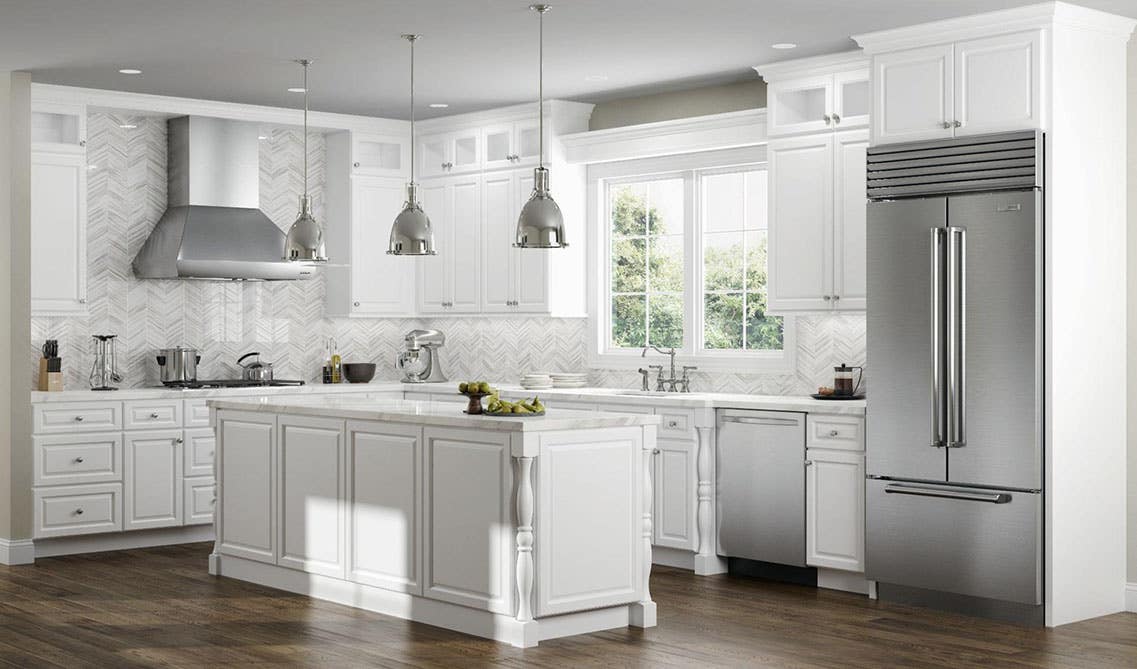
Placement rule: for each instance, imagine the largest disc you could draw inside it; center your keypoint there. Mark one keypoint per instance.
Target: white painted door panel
(912, 94)
(433, 291)
(311, 495)
(835, 510)
(998, 83)
(78, 509)
(850, 211)
(500, 221)
(381, 284)
(59, 232)
(199, 447)
(248, 485)
(200, 496)
(466, 244)
(800, 223)
(531, 266)
(674, 494)
(79, 458)
(152, 474)
(385, 505)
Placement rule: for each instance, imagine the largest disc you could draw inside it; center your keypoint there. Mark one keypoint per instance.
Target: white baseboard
(120, 541)
(673, 557)
(17, 551)
(835, 579)
(1131, 597)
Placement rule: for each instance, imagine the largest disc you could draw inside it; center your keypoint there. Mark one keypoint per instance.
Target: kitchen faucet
(672, 384)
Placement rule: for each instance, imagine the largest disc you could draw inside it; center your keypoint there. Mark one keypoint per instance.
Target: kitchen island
(512, 528)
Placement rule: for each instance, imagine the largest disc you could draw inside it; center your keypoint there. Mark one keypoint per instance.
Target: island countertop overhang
(430, 413)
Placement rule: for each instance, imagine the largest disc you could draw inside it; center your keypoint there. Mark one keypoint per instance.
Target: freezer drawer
(761, 485)
(969, 541)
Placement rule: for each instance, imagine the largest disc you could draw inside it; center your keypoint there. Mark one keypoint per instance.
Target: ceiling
(475, 54)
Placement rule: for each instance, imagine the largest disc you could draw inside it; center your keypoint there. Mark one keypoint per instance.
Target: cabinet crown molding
(989, 24)
(812, 66)
(727, 130)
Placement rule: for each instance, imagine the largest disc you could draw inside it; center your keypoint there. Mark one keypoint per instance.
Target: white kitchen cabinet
(515, 280)
(310, 486)
(363, 280)
(77, 458)
(675, 497)
(511, 144)
(78, 509)
(835, 509)
(246, 471)
(198, 447)
(380, 155)
(152, 479)
(467, 483)
(200, 496)
(968, 87)
(59, 127)
(450, 282)
(384, 505)
(817, 211)
(450, 152)
(817, 94)
(59, 232)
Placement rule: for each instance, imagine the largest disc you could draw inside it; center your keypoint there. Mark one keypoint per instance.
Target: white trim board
(17, 551)
(1131, 597)
(813, 66)
(728, 130)
(121, 541)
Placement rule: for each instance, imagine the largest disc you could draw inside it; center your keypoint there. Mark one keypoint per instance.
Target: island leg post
(524, 496)
(642, 613)
(707, 561)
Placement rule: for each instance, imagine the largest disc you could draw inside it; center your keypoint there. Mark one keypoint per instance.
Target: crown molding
(988, 24)
(574, 113)
(806, 67)
(688, 135)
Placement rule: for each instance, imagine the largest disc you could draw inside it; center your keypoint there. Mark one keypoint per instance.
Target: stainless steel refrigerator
(954, 425)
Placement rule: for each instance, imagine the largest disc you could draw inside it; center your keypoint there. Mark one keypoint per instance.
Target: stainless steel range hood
(213, 228)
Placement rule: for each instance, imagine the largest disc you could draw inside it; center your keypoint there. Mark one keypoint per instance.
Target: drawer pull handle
(833, 433)
(78, 419)
(672, 423)
(79, 511)
(154, 416)
(79, 460)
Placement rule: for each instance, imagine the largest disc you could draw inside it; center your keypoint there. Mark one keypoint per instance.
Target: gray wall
(679, 104)
(1131, 320)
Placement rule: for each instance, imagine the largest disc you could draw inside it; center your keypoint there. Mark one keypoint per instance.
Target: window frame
(691, 168)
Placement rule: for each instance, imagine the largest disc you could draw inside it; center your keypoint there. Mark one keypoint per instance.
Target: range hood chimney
(213, 228)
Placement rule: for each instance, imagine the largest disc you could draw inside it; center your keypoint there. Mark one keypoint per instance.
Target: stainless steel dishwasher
(761, 485)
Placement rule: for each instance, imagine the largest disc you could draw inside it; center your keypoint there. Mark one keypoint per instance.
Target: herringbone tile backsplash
(285, 321)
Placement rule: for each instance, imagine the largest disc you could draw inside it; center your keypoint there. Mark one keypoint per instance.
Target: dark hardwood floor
(159, 607)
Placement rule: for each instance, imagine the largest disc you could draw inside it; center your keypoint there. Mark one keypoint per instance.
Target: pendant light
(412, 233)
(541, 225)
(305, 240)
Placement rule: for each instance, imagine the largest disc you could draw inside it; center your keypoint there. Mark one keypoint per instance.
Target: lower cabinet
(78, 509)
(311, 486)
(248, 485)
(200, 496)
(835, 509)
(152, 477)
(674, 491)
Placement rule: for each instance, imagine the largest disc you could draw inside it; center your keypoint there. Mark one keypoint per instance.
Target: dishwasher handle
(920, 491)
(760, 421)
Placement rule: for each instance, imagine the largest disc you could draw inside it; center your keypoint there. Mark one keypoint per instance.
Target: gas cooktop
(230, 383)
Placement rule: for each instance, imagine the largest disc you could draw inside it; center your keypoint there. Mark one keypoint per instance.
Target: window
(681, 254)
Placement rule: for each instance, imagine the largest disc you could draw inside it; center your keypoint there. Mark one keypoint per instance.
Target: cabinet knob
(82, 300)
(355, 304)
(826, 297)
(79, 511)
(82, 142)
(836, 297)
(355, 164)
(958, 124)
(78, 419)
(946, 125)
(79, 460)
(179, 441)
(672, 423)
(153, 416)
(808, 463)
(655, 451)
(836, 119)
(833, 433)
(828, 119)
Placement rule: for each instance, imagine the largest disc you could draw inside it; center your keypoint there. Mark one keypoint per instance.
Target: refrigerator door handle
(939, 410)
(919, 491)
(957, 336)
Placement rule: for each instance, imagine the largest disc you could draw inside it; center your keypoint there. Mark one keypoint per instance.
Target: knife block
(50, 374)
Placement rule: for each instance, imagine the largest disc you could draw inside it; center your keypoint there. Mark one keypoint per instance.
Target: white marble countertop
(608, 398)
(438, 414)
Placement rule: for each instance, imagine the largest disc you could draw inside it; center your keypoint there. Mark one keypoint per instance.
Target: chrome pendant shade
(305, 239)
(541, 224)
(411, 233)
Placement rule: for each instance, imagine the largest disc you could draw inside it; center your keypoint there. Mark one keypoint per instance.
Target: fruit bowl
(475, 405)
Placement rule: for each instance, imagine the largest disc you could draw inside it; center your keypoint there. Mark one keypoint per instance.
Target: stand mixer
(419, 361)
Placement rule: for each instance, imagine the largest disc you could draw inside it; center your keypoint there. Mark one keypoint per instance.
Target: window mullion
(692, 265)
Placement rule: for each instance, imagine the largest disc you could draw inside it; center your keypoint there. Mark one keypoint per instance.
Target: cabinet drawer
(842, 432)
(676, 423)
(200, 497)
(199, 444)
(80, 509)
(68, 460)
(145, 414)
(77, 417)
(196, 413)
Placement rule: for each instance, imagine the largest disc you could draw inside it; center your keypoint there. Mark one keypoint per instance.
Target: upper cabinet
(511, 144)
(968, 87)
(817, 94)
(59, 209)
(450, 152)
(379, 155)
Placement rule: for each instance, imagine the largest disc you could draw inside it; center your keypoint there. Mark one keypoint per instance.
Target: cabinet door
(800, 105)
(527, 142)
(852, 99)
(465, 151)
(434, 155)
(464, 255)
(850, 210)
(59, 127)
(531, 266)
(198, 446)
(385, 505)
(675, 495)
(59, 232)
(200, 494)
(247, 493)
(800, 223)
(498, 145)
(912, 94)
(153, 479)
(311, 495)
(998, 82)
(469, 497)
(381, 284)
(379, 155)
(498, 255)
(835, 510)
(433, 292)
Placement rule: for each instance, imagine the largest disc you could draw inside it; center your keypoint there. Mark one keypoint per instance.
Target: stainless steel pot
(178, 364)
(257, 370)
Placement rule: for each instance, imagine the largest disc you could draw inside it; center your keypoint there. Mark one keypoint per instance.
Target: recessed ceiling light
(127, 126)
(129, 70)
(596, 77)
(297, 90)
(438, 105)
(783, 45)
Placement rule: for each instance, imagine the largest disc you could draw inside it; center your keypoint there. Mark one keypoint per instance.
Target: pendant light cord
(412, 41)
(306, 128)
(541, 86)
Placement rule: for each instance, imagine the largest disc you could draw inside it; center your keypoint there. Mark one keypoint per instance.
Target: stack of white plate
(534, 381)
(569, 379)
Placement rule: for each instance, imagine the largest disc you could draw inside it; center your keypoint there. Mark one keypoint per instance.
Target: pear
(462, 387)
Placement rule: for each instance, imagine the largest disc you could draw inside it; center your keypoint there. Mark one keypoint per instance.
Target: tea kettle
(257, 370)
